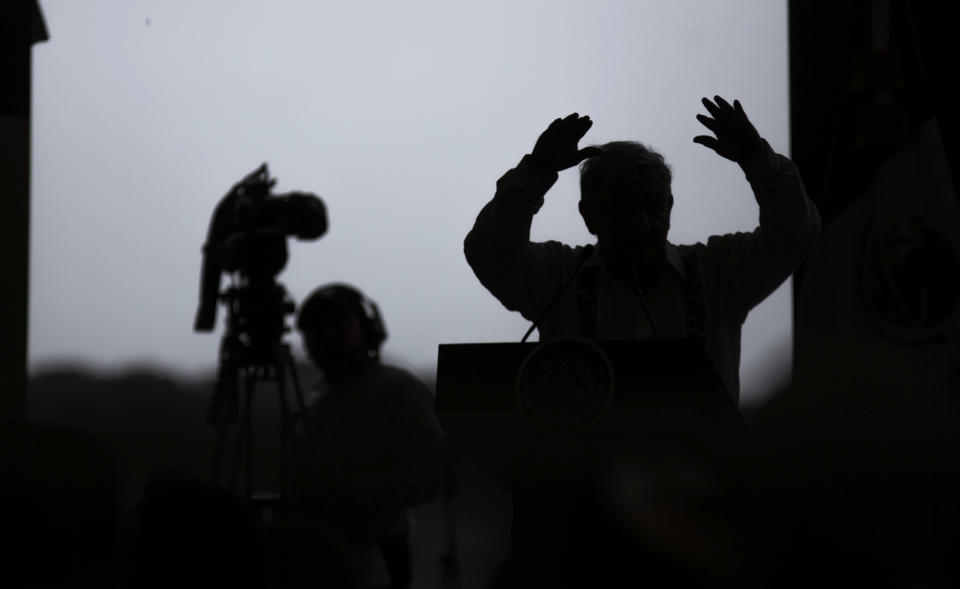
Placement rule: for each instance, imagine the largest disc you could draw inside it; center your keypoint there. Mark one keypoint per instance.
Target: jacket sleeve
(521, 274)
(753, 264)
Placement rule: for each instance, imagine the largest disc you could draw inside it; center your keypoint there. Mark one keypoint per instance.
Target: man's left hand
(736, 138)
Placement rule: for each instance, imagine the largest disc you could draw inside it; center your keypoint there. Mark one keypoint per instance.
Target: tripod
(249, 355)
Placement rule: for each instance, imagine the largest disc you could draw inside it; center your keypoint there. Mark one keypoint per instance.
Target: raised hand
(556, 148)
(736, 138)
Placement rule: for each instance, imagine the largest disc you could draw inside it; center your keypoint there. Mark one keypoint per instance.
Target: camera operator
(372, 447)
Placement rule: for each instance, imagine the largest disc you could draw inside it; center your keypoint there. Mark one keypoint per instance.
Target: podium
(558, 410)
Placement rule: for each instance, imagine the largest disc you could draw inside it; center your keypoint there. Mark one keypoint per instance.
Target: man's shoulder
(715, 243)
(686, 251)
(400, 379)
(403, 392)
(560, 250)
(719, 251)
(394, 372)
(559, 246)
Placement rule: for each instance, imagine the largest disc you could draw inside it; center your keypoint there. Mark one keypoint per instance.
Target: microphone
(584, 255)
(643, 301)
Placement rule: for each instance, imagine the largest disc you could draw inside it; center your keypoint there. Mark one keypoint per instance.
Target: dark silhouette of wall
(21, 25)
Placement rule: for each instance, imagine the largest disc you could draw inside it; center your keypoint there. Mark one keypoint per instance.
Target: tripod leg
(449, 560)
(298, 391)
(286, 432)
(244, 446)
(293, 418)
(238, 451)
(223, 404)
(218, 448)
(251, 381)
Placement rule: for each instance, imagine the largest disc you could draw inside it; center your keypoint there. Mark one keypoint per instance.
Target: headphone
(374, 331)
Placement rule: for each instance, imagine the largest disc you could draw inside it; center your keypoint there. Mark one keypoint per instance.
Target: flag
(878, 312)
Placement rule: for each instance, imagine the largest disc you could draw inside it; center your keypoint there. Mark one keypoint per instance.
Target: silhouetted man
(700, 290)
(372, 448)
(604, 291)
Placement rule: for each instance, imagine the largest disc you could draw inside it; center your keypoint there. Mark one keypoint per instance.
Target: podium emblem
(564, 386)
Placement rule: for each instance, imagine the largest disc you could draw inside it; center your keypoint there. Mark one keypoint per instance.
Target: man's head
(341, 328)
(625, 200)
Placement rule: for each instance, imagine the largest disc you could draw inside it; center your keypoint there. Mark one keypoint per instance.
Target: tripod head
(256, 318)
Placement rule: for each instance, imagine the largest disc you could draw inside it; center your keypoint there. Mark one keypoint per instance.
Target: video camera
(247, 234)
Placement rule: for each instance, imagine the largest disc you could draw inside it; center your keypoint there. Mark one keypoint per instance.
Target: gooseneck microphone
(584, 256)
(643, 301)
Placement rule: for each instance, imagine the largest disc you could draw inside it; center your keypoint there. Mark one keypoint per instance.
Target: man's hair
(341, 298)
(621, 161)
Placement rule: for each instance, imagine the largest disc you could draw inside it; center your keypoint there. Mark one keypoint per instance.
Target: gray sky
(399, 115)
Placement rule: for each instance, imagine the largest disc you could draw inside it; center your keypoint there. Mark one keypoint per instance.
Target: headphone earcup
(376, 331)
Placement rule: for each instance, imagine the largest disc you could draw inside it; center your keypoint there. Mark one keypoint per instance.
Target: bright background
(399, 115)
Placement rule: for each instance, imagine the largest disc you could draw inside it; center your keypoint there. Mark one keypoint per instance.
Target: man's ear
(587, 212)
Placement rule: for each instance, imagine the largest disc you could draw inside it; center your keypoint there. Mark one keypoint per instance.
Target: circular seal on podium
(565, 386)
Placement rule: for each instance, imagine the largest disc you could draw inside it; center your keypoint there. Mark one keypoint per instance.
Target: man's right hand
(556, 148)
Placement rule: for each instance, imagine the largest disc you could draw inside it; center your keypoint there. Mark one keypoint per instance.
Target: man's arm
(754, 264)
(498, 248)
